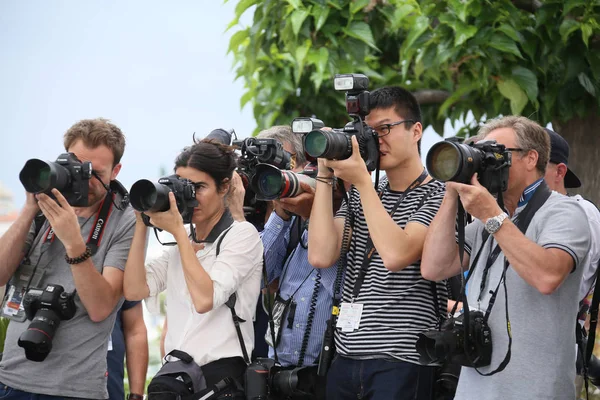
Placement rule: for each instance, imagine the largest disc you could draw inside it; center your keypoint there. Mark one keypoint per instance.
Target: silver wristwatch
(492, 225)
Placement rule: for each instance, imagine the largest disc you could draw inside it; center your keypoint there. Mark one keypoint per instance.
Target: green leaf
(527, 80)
(237, 39)
(298, 17)
(460, 8)
(511, 32)
(456, 96)
(464, 33)
(511, 90)
(572, 4)
(301, 53)
(357, 5)
(362, 32)
(500, 41)
(246, 98)
(398, 16)
(419, 27)
(586, 32)
(567, 27)
(295, 3)
(587, 84)
(320, 14)
(242, 6)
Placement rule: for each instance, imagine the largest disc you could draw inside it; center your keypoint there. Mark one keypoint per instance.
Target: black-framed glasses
(385, 129)
(515, 149)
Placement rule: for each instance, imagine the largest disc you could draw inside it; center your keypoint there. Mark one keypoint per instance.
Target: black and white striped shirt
(396, 305)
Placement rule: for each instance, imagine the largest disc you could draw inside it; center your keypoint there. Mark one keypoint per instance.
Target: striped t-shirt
(396, 305)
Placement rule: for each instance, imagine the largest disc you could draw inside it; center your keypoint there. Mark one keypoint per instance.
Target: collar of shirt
(528, 192)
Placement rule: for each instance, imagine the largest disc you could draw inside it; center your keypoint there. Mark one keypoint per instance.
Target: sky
(157, 69)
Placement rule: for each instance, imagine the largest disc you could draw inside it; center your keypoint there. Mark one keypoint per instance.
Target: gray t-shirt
(76, 365)
(542, 364)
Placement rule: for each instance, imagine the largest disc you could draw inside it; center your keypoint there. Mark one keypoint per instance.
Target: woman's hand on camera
(236, 197)
(353, 169)
(170, 220)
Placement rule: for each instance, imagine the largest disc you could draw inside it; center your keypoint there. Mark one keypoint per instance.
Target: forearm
(137, 360)
(12, 242)
(96, 294)
(323, 240)
(394, 245)
(135, 286)
(440, 253)
(199, 283)
(537, 266)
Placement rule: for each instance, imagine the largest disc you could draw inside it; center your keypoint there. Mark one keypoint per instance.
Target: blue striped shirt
(275, 237)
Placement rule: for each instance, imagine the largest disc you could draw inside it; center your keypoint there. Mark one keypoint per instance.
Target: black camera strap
(370, 247)
(538, 199)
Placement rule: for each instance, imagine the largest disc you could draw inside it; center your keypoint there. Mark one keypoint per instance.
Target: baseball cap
(559, 153)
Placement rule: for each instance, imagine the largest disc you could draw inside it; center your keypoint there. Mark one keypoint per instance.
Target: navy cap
(559, 153)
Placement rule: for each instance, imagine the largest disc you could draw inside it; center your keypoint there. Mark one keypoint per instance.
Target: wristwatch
(492, 225)
(134, 396)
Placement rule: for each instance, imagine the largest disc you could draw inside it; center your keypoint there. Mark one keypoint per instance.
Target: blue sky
(157, 69)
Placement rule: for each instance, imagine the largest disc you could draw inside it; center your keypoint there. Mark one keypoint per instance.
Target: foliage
(490, 56)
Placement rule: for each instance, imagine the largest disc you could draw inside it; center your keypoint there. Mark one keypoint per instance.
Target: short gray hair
(283, 133)
(530, 136)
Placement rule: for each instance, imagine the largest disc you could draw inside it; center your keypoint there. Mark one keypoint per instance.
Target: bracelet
(329, 180)
(77, 260)
(135, 396)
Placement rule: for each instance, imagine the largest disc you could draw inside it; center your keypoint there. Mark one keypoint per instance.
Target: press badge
(12, 307)
(349, 318)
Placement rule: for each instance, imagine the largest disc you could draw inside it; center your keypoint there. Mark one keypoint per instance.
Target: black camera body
(468, 344)
(451, 160)
(255, 151)
(146, 195)
(264, 379)
(67, 174)
(336, 144)
(45, 308)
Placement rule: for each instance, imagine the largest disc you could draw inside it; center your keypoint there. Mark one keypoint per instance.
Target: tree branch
(431, 96)
(527, 5)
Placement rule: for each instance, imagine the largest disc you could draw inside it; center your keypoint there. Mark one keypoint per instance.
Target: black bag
(177, 379)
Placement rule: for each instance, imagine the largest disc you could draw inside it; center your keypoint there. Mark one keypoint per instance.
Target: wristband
(77, 260)
(135, 396)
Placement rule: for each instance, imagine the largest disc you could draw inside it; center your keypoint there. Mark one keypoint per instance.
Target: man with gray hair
(526, 284)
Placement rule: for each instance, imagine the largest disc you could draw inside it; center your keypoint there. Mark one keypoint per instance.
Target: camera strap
(370, 247)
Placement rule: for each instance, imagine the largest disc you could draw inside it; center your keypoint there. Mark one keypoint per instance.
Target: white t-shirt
(589, 270)
(211, 336)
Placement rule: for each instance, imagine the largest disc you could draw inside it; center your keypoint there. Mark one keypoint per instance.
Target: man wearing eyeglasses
(525, 283)
(385, 302)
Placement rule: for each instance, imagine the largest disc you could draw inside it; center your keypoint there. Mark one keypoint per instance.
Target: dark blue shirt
(116, 356)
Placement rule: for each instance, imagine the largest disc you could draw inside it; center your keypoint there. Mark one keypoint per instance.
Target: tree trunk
(584, 157)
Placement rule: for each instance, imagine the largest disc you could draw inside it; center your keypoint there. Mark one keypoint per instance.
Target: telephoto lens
(332, 145)
(450, 161)
(271, 183)
(146, 195)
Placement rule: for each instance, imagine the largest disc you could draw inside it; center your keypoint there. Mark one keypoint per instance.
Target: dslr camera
(454, 161)
(45, 308)
(264, 379)
(336, 144)
(67, 174)
(465, 341)
(146, 195)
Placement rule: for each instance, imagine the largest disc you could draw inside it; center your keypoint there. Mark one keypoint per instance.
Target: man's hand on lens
(281, 211)
(170, 220)
(63, 220)
(353, 169)
(476, 200)
(300, 205)
(236, 198)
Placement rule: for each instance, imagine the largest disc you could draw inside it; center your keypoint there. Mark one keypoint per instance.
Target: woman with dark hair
(198, 281)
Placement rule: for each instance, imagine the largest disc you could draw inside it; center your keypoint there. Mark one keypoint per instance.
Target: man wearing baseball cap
(560, 178)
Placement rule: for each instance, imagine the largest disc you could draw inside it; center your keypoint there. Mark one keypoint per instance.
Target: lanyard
(96, 233)
(370, 248)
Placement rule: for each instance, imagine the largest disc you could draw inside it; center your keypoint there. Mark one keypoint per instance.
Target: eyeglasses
(384, 129)
(514, 149)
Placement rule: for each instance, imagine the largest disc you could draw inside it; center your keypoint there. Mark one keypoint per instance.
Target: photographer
(388, 300)
(60, 253)
(536, 276)
(199, 281)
